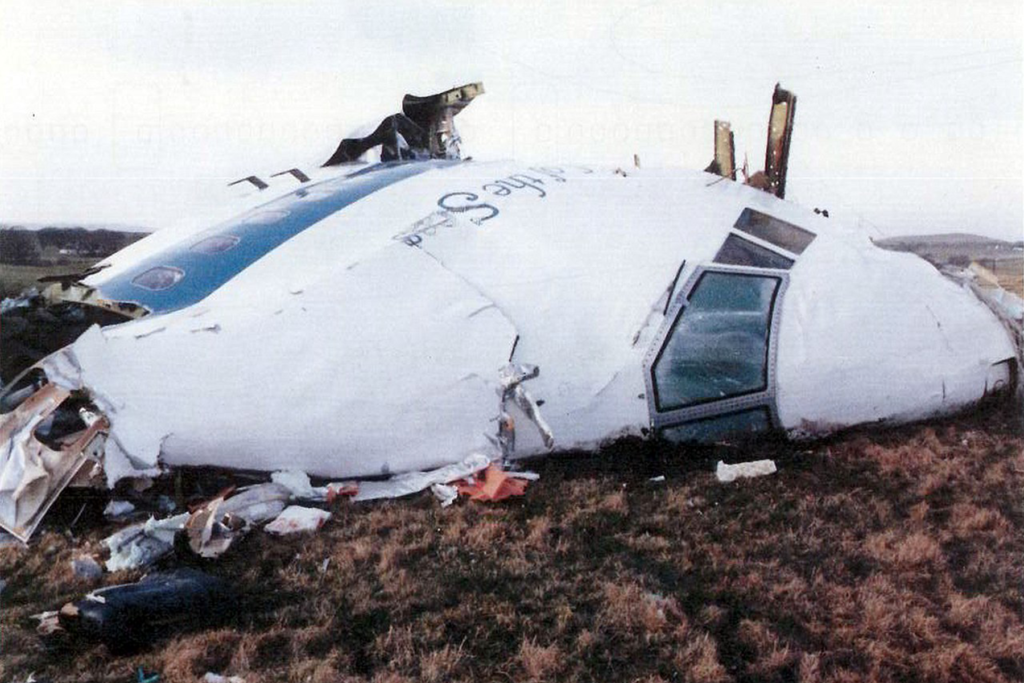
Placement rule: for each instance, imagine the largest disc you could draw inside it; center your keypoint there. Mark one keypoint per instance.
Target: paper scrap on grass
(296, 518)
(754, 468)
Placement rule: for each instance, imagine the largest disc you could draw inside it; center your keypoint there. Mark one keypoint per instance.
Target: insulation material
(445, 494)
(118, 509)
(413, 482)
(142, 544)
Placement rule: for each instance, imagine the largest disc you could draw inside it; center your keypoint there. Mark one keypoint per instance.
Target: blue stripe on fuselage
(260, 232)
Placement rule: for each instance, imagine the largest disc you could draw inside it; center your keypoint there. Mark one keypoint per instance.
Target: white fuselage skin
(371, 342)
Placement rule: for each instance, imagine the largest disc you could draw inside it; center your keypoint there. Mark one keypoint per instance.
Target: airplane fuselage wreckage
(403, 315)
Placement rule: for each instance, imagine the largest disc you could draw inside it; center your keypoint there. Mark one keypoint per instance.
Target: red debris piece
(492, 484)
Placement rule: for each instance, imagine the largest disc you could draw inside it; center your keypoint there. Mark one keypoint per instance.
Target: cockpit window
(770, 229)
(718, 346)
(737, 251)
(215, 244)
(711, 429)
(159, 278)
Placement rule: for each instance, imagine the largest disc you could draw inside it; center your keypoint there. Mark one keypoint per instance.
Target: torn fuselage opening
(45, 442)
(49, 321)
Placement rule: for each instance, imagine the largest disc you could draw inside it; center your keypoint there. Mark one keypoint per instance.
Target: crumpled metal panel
(32, 474)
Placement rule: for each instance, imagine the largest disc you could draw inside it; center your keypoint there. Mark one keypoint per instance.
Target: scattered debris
(341, 488)
(296, 518)
(211, 677)
(127, 616)
(85, 567)
(754, 468)
(445, 493)
(524, 474)
(658, 479)
(142, 544)
(210, 533)
(413, 482)
(48, 623)
(297, 482)
(495, 484)
(213, 527)
(118, 509)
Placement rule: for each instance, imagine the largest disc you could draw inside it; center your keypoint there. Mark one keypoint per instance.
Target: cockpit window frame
(787, 237)
(663, 418)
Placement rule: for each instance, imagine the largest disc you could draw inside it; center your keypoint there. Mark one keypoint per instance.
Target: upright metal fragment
(724, 163)
(780, 131)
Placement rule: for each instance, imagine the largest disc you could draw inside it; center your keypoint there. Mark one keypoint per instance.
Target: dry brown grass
(874, 556)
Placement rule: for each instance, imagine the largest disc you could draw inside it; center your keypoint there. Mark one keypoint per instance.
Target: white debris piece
(296, 518)
(142, 544)
(117, 509)
(525, 474)
(85, 567)
(412, 482)
(211, 677)
(445, 493)
(213, 527)
(658, 479)
(297, 482)
(754, 468)
(258, 503)
(48, 622)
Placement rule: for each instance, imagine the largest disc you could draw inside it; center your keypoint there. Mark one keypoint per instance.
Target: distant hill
(957, 249)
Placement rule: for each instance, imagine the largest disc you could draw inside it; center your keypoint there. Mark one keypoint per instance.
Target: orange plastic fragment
(492, 484)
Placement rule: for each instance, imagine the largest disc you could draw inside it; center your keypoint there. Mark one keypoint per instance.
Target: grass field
(16, 279)
(878, 555)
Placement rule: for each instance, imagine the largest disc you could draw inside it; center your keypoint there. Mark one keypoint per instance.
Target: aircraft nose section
(872, 335)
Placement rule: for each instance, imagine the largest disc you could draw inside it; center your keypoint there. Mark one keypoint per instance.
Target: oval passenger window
(159, 278)
(215, 244)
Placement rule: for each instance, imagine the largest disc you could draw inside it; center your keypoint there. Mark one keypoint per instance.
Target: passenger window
(159, 278)
(718, 346)
(771, 229)
(737, 251)
(215, 244)
(711, 429)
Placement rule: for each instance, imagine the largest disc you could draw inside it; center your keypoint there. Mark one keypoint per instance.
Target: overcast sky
(909, 116)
